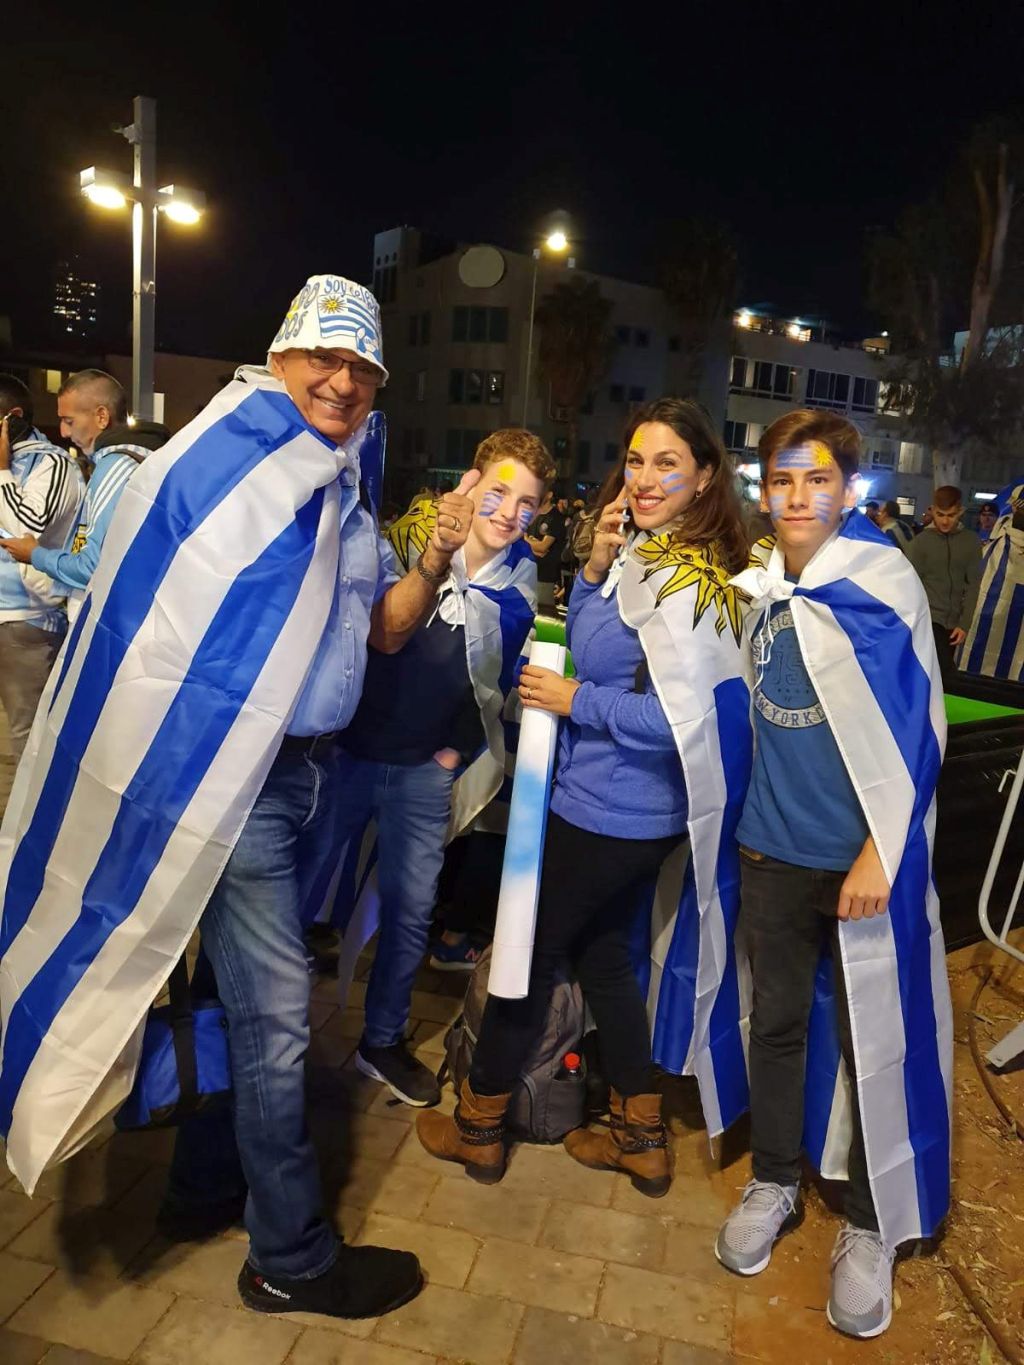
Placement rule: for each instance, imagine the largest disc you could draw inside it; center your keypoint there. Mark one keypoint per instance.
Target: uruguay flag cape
(152, 740)
(864, 630)
(995, 642)
(497, 609)
(689, 621)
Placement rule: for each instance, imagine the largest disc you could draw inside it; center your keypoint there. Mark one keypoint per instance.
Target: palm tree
(574, 351)
(699, 276)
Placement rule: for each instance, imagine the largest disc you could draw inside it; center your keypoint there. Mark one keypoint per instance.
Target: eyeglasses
(360, 372)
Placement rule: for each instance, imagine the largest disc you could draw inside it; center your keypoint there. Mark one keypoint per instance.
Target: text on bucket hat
(330, 311)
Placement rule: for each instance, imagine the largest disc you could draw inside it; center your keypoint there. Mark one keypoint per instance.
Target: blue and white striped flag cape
(497, 609)
(153, 738)
(995, 642)
(864, 629)
(689, 620)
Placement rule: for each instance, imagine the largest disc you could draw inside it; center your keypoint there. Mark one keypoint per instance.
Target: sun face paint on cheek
(490, 502)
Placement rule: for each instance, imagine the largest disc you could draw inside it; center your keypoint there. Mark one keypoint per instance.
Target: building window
(761, 377)
(460, 446)
(782, 384)
(622, 336)
(474, 386)
(865, 395)
(54, 379)
(611, 452)
(735, 436)
(637, 393)
(497, 324)
(472, 324)
(738, 375)
(495, 386)
(616, 393)
(883, 459)
(414, 328)
(641, 336)
(456, 385)
(421, 386)
(385, 284)
(674, 343)
(424, 329)
(583, 450)
(764, 375)
(826, 389)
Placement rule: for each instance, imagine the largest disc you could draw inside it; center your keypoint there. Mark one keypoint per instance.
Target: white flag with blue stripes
(690, 625)
(864, 629)
(152, 741)
(995, 642)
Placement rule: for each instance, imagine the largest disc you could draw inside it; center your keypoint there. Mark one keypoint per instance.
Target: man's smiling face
(334, 404)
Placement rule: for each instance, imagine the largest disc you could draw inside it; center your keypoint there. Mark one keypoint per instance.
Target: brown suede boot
(474, 1134)
(635, 1143)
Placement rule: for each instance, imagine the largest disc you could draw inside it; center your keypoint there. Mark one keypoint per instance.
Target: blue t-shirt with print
(801, 806)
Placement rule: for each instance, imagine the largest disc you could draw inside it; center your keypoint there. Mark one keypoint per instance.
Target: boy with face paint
(424, 713)
(844, 772)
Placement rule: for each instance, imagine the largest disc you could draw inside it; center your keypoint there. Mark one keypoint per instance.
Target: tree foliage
(956, 264)
(699, 277)
(574, 351)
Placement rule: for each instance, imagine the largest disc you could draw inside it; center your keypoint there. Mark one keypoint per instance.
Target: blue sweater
(619, 771)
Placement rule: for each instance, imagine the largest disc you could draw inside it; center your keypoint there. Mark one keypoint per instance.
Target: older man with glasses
(265, 579)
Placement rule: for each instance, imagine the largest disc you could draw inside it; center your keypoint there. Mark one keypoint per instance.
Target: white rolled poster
(524, 844)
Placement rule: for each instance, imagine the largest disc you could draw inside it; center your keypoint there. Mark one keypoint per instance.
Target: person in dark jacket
(947, 558)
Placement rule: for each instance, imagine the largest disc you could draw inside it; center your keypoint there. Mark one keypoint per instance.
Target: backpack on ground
(548, 1100)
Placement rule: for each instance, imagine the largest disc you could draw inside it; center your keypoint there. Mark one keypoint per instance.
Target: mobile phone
(17, 428)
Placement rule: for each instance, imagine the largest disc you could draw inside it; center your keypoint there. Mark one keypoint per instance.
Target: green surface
(962, 710)
(959, 710)
(552, 632)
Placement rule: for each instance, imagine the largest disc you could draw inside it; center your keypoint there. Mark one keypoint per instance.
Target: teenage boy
(835, 842)
(427, 712)
(948, 558)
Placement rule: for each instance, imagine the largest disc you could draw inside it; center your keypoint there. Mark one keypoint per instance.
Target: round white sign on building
(481, 267)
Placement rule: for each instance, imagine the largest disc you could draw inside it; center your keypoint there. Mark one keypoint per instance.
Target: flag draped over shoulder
(864, 629)
(688, 618)
(995, 642)
(153, 738)
(497, 609)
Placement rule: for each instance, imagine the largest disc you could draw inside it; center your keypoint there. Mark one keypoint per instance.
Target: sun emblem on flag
(330, 304)
(410, 535)
(693, 566)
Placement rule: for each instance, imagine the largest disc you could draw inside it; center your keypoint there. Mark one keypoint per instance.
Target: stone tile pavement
(554, 1266)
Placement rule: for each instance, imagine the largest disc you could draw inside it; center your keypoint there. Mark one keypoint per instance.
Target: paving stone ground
(554, 1266)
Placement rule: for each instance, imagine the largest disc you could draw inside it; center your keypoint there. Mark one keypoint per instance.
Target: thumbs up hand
(455, 513)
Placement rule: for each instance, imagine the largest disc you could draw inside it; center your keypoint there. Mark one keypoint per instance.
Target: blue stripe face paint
(628, 474)
(674, 481)
(490, 502)
(822, 505)
(526, 515)
(776, 505)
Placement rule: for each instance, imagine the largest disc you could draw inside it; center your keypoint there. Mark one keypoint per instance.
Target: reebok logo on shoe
(277, 1293)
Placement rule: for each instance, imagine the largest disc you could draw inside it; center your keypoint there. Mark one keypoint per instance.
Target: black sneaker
(404, 1076)
(362, 1283)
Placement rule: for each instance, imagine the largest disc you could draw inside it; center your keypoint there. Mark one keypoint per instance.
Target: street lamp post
(556, 242)
(109, 189)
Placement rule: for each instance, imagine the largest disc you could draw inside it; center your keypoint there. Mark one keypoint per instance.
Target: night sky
(312, 125)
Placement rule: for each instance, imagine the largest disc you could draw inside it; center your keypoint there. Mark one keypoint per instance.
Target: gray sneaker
(764, 1213)
(860, 1303)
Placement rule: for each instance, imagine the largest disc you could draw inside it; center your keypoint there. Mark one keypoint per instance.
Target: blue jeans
(411, 805)
(252, 930)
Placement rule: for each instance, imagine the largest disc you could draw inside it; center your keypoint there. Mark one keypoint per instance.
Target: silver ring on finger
(526, 693)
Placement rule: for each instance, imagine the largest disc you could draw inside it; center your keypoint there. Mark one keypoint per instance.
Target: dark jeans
(252, 931)
(587, 887)
(787, 915)
(947, 664)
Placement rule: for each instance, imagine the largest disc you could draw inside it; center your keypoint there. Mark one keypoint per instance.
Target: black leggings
(587, 896)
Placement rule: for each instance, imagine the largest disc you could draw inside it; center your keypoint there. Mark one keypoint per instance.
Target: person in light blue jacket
(118, 453)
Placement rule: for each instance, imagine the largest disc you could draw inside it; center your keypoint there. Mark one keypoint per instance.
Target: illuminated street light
(111, 190)
(556, 241)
